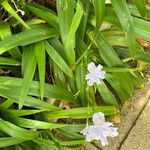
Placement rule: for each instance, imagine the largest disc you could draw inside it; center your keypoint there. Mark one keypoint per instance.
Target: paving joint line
(133, 125)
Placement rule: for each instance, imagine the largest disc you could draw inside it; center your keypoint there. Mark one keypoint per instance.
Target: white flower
(95, 74)
(100, 130)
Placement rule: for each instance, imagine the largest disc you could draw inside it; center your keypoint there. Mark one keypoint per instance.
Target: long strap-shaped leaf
(29, 101)
(16, 131)
(126, 21)
(28, 73)
(141, 27)
(35, 34)
(8, 8)
(6, 32)
(75, 23)
(9, 141)
(83, 23)
(28, 123)
(39, 50)
(141, 5)
(9, 61)
(65, 9)
(51, 91)
(106, 51)
(43, 13)
(99, 8)
(80, 113)
(107, 95)
(58, 60)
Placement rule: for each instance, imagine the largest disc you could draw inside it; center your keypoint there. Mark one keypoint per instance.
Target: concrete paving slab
(139, 136)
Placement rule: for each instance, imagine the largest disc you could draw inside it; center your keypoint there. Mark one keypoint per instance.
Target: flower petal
(98, 118)
(99, 67)
(91, 67)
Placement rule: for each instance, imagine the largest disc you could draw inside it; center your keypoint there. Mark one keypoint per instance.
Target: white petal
(98, 118)
(108, 124)
(90, 82)
(89, 138)
(104, 140)
(99, 67)
(114, 132)
(102, 75)
(91, 67)
(87, 76)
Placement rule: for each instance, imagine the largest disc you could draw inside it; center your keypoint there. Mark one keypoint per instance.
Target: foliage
(44, 57)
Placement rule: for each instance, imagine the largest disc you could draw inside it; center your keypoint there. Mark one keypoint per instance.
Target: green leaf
(58, 60)
(118, 87)
(6, 32)
(16, 131)
(6, 104)
(65, 9)
(83, 23)
(51, 91)
(118, 69)
(22, 112)
(79, 113)
(57, 45)
(35, 34)
(127, 24)
(107, 95)
(109, 56)
(141, 55)
(43, 13)
(142, 28)
(9, 61)
(29, 101)
(9, 141)
(39, 50)
(9, 9)
(75, 23)
(70, 134)
(28, 74)
(81, 84)
(141, 5)
(99, 8)
(35, 124)
(75, 142)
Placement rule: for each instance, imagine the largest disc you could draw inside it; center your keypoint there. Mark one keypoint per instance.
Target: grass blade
(37, 33)
(99, 8)
(9, 9)
(79, 113)
(65, 9)
(9, 141)
(9, 61)
(39, 50)
(51, 91)
(141, 5)
(43, 13)
(28, 74)
(29, 101)
(58, 60)
(107, 95)
(127, 24)
(16, 131)
(28, 123)
(75, 23)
